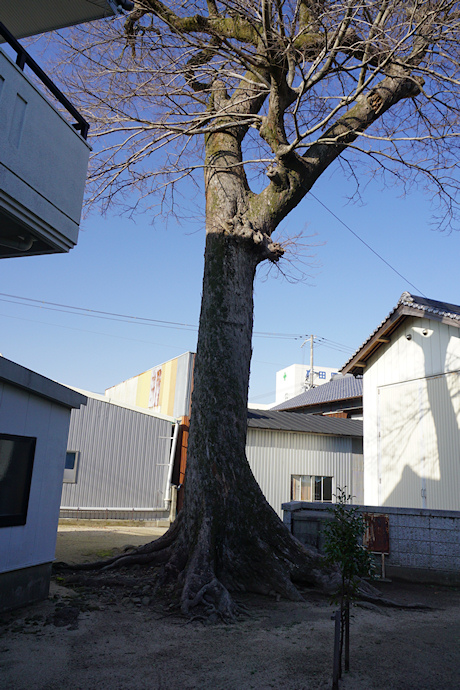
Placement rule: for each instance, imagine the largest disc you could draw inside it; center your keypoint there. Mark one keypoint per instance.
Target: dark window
(318, 485)
(70, 468)
(70, 460)
(16, 464)
(327, 489)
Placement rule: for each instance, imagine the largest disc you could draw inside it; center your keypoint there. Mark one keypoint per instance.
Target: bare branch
(293, 82)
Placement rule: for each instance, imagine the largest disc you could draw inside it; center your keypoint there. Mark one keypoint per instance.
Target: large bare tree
(260, 97)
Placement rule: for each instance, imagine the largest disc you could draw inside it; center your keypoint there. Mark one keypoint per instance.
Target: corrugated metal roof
(338, 388)
(311, 423)
(410, 305)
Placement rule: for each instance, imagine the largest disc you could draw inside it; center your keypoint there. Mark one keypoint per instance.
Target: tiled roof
(413, 305)
(430, 306)
(338, 388)
(296, 421)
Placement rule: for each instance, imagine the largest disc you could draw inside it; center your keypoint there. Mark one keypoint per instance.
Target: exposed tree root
(369, 593)
(204, 579)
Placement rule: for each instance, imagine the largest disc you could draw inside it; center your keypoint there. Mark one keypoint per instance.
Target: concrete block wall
(424, 544)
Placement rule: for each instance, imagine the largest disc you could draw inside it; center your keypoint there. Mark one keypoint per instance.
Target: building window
(307, 487)
(16, 465)
(71, 465)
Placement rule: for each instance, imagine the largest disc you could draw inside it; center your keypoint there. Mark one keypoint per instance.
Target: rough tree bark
(234, 540)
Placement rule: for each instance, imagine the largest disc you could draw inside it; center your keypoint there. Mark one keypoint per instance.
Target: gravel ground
(84, 540)
(122, 638)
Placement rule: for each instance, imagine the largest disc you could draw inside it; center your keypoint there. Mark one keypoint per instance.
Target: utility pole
(311, 360)
(309, 381)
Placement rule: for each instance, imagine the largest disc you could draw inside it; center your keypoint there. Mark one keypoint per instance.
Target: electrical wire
(93, 313)
(355, 234)
(330, 344)
(124, 318)
(141, 320)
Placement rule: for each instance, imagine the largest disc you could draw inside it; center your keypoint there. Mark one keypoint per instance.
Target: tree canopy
(300, 82)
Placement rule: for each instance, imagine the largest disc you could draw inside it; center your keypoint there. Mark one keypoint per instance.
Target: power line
(124, 318)
(355, 234)
(142, 320)
(333, 342)
(85, 330)
(330, 344)
(93, 313)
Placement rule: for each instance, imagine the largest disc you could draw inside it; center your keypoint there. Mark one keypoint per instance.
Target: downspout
(168, 498)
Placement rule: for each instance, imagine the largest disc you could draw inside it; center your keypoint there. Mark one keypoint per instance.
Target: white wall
(26, 414)
(290, 381)
(411, 393)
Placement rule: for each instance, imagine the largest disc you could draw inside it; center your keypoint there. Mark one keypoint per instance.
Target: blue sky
(137, 269)
(155, 271)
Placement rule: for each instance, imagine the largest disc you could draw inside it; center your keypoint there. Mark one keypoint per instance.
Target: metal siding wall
(400, 450)
(125, 392)
(420, 443)
(124, 458)
(168, 386)
(275, 455)
(442, 467)
(402, 360)
(357, 469)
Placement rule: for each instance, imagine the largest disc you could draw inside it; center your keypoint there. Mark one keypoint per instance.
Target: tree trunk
(217, 472)
(234, 539)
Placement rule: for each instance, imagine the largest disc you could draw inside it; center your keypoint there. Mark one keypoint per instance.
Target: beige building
(411, 398)
(165, 388)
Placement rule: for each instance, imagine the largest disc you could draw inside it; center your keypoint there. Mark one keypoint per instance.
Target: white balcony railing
(43, 164)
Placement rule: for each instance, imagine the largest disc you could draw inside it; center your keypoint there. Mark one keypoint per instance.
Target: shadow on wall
(419, 427)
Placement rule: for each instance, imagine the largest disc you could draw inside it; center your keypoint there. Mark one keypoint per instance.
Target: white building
(411, 399)
(34, 425)
(295, 379)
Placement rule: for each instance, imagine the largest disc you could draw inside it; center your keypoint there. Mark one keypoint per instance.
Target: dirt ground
(87, 638)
